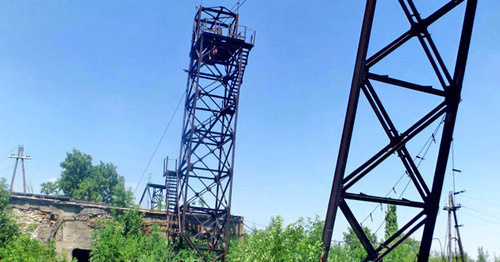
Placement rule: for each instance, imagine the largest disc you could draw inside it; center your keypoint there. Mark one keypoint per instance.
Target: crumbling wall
(70, 223)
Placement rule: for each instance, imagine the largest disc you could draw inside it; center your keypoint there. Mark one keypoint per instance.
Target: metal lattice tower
(218, 57)
(364, 80)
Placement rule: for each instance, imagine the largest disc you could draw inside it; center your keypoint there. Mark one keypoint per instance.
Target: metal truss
(162, 197)
(219, 55)
(363, 79)
(153, 196)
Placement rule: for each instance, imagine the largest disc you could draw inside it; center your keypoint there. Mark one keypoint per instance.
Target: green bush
(9, 230)
(26, 249)
(15, 246)
(299, 241)
(124, 239)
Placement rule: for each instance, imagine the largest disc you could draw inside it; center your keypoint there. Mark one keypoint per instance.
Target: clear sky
(106, 76)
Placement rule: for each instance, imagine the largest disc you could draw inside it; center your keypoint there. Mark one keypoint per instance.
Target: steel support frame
(153, 195)
(219, 53)
(449, 90)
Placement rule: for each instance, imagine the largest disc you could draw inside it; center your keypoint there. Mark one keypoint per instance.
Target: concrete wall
(70, 222)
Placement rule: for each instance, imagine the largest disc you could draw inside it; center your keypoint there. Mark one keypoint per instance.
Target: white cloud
(52, 179)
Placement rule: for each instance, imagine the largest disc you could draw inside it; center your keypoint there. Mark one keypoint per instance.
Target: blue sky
(105, 77)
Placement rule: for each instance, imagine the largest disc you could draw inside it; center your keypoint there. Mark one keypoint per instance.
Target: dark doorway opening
(81, 255)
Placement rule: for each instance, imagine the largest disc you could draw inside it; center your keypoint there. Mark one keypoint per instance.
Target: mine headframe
(365, 81)
(202, 183)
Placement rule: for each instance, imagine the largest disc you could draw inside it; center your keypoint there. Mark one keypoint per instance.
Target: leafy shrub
(124, 239)
(299, 241)
(25, 248)
(15, 246)
(9, 230)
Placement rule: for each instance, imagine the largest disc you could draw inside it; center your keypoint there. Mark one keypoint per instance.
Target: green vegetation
(299, 241)
(25, 248)
(8, 228)
(15, 245)
(125, 239)
(83, 181)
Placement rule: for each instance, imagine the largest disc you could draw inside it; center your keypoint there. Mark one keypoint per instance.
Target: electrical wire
(480, 212)
(251, 229)
(425, 148)
(481, 201)
(10, 151)
(235, 4)
(420, 157)
(10, 167)
(3, 160)
(239, 5)
(480, 218)
(159, 142)
(254, 223)
(5, 156)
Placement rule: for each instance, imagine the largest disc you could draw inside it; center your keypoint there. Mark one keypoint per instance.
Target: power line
(235, 4)
(481, 201)
(3, 160)
(159, 142)
(420, 156)
(480, 218)
(5, 156)
(254, 223)
(10, 151)
(252, 229)
(8, 168)
(239, 5)
(479, 212)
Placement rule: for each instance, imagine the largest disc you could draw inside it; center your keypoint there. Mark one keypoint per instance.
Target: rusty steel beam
(449, 89)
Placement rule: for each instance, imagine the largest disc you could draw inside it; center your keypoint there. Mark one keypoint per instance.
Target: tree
(482, 256)
(83, 181)
(355, 249)
(8, 227)
(391, 221)
(77, 167)
(406, 251)
(51, 188)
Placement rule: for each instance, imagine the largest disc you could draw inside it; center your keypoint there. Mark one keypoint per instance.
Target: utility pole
(450, 251)
(20, 155)
(452, 208)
